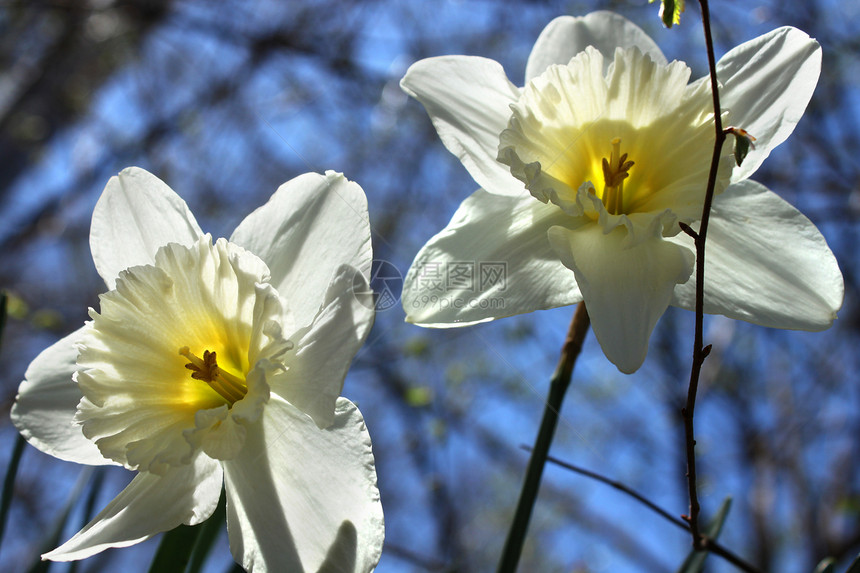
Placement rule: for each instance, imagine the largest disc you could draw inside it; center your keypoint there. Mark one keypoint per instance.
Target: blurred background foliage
(226, 100)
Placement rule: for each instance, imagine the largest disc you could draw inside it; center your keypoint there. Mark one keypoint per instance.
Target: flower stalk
(557, 389)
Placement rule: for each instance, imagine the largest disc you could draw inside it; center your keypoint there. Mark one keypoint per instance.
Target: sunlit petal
(311, 226)
(766, 86)
(44, 410)
(766, 263)
(566, 36)
(149, 505)
(469, 108)
(324, 349)
(300, 497)
(627, 297)
(492, 260)
(136, 214)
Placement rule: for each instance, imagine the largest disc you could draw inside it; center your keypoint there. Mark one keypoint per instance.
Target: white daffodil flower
(222, 362)
(588, 170)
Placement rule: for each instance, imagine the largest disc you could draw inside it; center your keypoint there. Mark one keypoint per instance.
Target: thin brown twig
(708, 543)
(700, 352)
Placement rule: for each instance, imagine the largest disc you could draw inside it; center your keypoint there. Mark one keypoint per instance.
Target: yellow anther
(615, 171)
(229, 386)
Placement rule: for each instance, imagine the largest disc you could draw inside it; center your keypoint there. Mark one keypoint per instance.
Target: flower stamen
(229, 386)
(615, 171)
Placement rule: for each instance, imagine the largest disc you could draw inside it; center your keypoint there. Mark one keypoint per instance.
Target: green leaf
(4, 299)
(54, 534)
(742, 147)
(187, 546)
(209, 531)
(695, 561)
(743, 143)
(174, 551)
(95, 487)
(17, 449)
(670, 11)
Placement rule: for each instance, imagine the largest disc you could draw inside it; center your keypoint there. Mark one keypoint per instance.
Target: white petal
(767, 83)
(467, 99)
(139, 394)
(323, 350)
(312, 225)
(492, 260)
(304, 499)
(626, 290)
(136, 214)
(44, 410)
(566, 36)
(149, 505)
(766, 263)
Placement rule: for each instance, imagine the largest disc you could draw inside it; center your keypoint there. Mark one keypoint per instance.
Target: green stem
(9, 482)
(17, 449)
(558, 386)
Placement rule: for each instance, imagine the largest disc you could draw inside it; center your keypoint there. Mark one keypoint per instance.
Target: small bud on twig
(743, 143)
(670, 11)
